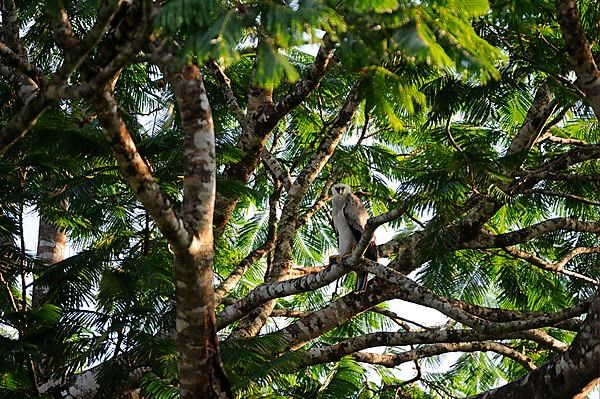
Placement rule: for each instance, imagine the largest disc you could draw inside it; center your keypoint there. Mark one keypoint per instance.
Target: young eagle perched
(349, 219)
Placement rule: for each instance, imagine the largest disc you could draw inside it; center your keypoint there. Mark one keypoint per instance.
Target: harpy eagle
(349, 219)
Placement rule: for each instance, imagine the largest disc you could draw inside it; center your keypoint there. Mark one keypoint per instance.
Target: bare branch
(442, 341)
(323, 199)
(10, 28)
(531, 232)
(408, 290)
(237, 273)
(276, 169)
(304, 87)
(398, 319)
(278, 289)
(77, 55)
(230, 100)
(393, 360)
(369, 230)
(557, 266)
(556, 167)
(63, 30)
(261, 117)
(540, 111)
(13, 60)
(562, 195)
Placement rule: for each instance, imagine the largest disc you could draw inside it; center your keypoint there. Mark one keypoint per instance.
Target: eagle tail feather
(361, 281)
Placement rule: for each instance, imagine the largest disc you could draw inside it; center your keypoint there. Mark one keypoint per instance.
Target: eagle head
(341, 189)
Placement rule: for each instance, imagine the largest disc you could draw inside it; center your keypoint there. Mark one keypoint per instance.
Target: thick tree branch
(279, 289)
(137, 173)
(555, 168)
(408, 290)
(531, 232)
(10, 28)
(569, 374)
(334, 352)
(580, 54)
(201, 370)
(538, 114)
(12, 59)
(64, 36)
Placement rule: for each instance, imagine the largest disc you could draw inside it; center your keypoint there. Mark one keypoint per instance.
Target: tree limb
(531, 232)
(580, 54)
(393, 360)
(230, 100)
(568, 375)
(556, 266)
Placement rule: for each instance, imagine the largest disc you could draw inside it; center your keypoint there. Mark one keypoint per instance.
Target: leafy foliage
(444, 85)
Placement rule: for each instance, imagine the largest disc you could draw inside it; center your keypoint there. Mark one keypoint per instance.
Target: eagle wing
(356, 215)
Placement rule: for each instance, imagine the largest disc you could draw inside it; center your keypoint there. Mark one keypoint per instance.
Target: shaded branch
(12, 59)
(137, 173)
(305, 86)
(63, 30)
(556, 266)
(442, 341)
(569, 374)
(531, 232)
(278, 289)
(580, 53)
(393, 360)
(276, 169)
(230, 100)
(408, 290)
(562, 195)
(240, 269)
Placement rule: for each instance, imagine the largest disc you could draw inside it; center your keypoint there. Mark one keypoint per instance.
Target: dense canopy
(178, 158)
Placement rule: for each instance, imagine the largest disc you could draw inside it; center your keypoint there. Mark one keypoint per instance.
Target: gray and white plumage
(349, 219)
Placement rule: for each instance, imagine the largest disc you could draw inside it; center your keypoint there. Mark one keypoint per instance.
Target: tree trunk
(201, 370)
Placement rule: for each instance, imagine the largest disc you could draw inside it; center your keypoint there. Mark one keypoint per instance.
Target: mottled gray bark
(580, 53)
(569, 375)
(201, 371)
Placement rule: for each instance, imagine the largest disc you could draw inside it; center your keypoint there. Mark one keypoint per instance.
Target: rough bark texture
(580, 54)
(201, 371)
(566, 376)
